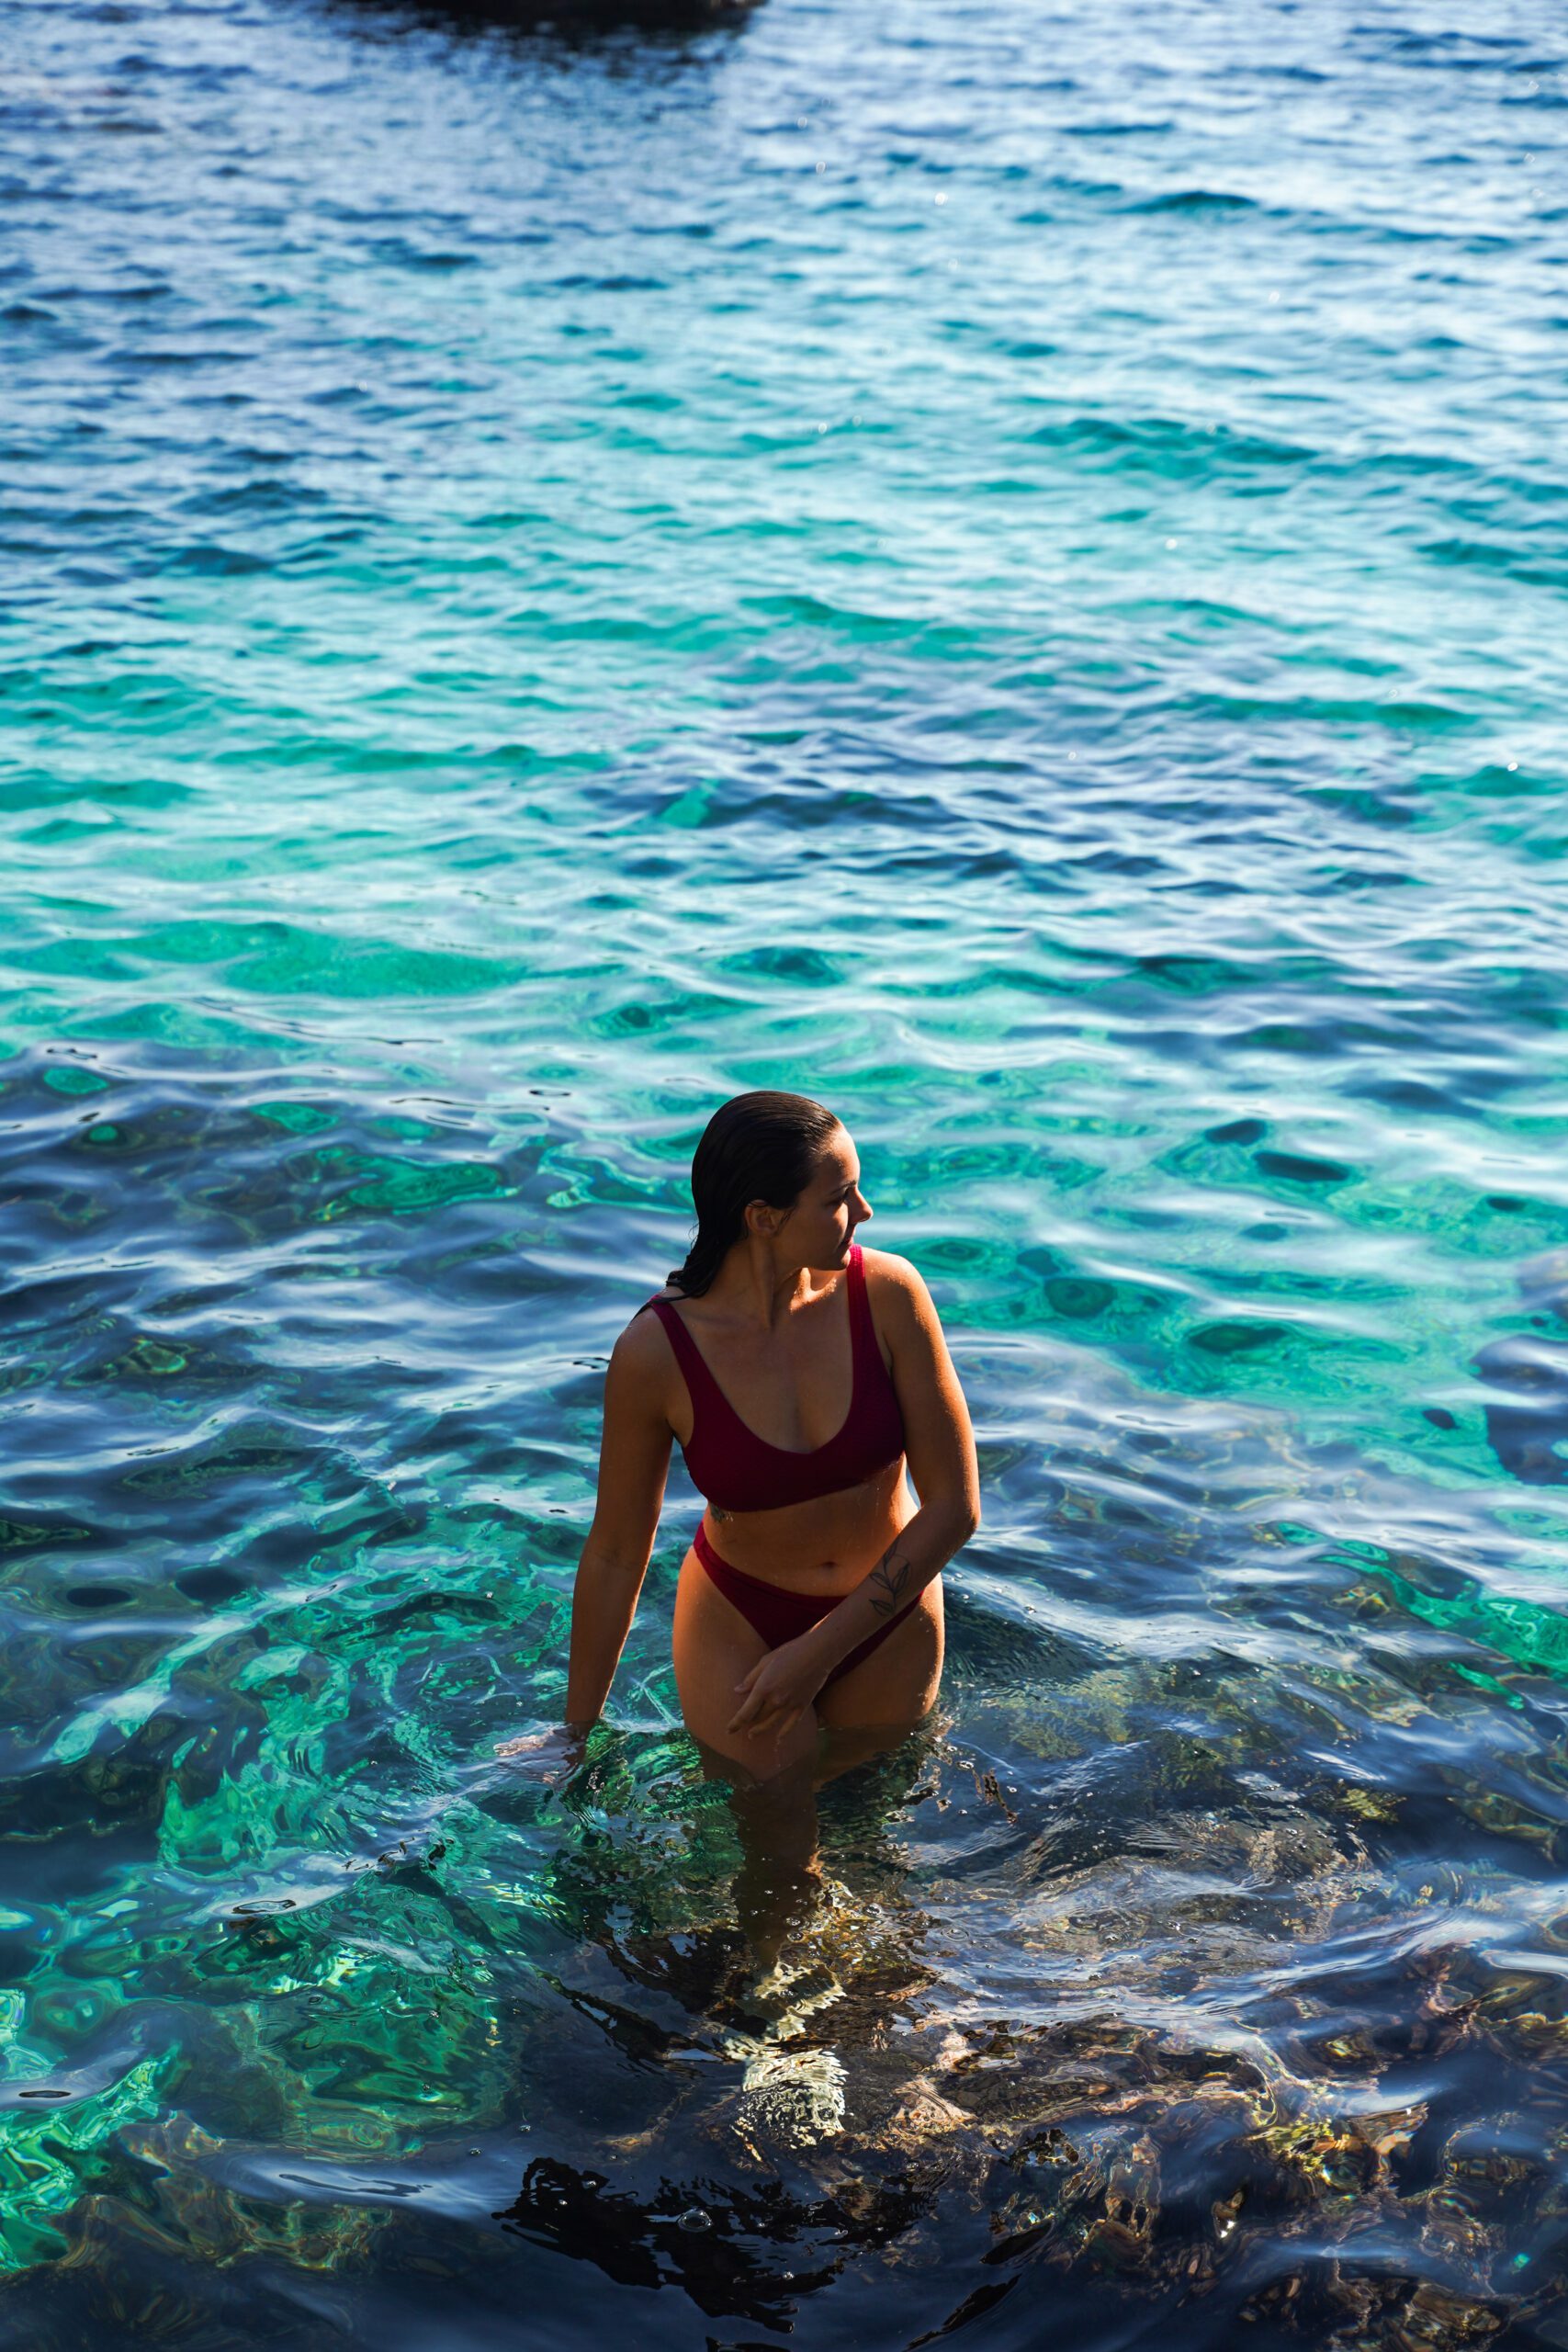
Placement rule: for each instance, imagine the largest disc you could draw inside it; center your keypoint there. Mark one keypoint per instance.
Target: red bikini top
(741, 1471)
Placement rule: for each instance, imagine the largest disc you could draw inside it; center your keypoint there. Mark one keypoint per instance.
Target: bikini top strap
(699, 1380)
(863, 1330)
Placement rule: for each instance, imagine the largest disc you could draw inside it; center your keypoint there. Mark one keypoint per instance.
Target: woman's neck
(756, 1285)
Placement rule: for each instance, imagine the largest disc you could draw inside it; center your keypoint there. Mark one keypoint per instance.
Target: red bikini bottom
(779, 1615)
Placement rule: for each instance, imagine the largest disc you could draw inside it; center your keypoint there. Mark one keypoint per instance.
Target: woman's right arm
(633, 1462)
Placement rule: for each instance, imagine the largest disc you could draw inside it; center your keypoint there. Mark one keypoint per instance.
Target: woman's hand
(778, 1689)
(552, 1755)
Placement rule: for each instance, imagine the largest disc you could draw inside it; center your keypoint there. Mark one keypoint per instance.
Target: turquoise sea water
(1001, 565)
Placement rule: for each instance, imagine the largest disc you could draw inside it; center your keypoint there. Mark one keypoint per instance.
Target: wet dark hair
(755, 1147)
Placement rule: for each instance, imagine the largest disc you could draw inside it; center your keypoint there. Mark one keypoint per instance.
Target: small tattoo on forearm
(891, 1573)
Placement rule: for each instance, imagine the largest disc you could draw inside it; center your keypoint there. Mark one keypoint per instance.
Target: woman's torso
(799, 1395)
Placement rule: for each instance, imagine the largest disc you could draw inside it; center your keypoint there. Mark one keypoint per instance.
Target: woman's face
(821, 1224)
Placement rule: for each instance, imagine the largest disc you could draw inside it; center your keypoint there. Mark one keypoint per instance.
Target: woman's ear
(765, 1221)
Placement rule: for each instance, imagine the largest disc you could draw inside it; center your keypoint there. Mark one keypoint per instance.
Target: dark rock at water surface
(574, 19)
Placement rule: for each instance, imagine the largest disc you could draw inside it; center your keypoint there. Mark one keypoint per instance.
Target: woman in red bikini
(799, 1375)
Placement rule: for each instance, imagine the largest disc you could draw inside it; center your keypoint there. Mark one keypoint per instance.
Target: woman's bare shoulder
(638, 1386)
(896, 1284)
(643, 1344)
(886, 1265)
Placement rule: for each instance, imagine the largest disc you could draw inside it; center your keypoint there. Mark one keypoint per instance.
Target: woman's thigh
(714, 1651)
(895, 1687)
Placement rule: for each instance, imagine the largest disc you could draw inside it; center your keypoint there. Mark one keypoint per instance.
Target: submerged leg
(770, 1778)
(777, 1884)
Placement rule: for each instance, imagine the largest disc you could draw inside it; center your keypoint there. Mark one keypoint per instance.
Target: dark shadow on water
(570, 21)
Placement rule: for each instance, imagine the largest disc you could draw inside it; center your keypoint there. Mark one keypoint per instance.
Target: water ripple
(562, 568)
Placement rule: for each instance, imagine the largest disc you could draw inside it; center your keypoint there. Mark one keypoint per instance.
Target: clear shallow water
(1002, 567)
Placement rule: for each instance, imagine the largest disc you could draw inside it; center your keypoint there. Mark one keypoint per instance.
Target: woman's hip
(726, 1619)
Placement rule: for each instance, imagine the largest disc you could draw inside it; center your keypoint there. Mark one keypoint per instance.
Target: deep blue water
(1001, 565)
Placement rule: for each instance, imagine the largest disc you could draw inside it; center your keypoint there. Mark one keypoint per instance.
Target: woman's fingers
(757, 1698)
(753, 1713)
(770, 1697)
(776, 1717)
(544, 1743)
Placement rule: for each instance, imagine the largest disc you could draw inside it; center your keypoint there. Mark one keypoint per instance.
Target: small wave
(204, 560)
(1168, 444)
(1196, 199)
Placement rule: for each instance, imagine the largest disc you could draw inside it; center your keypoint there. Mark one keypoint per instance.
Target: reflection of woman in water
(799, 1375)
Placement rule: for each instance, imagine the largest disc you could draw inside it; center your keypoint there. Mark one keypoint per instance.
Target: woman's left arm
(939, 1446)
